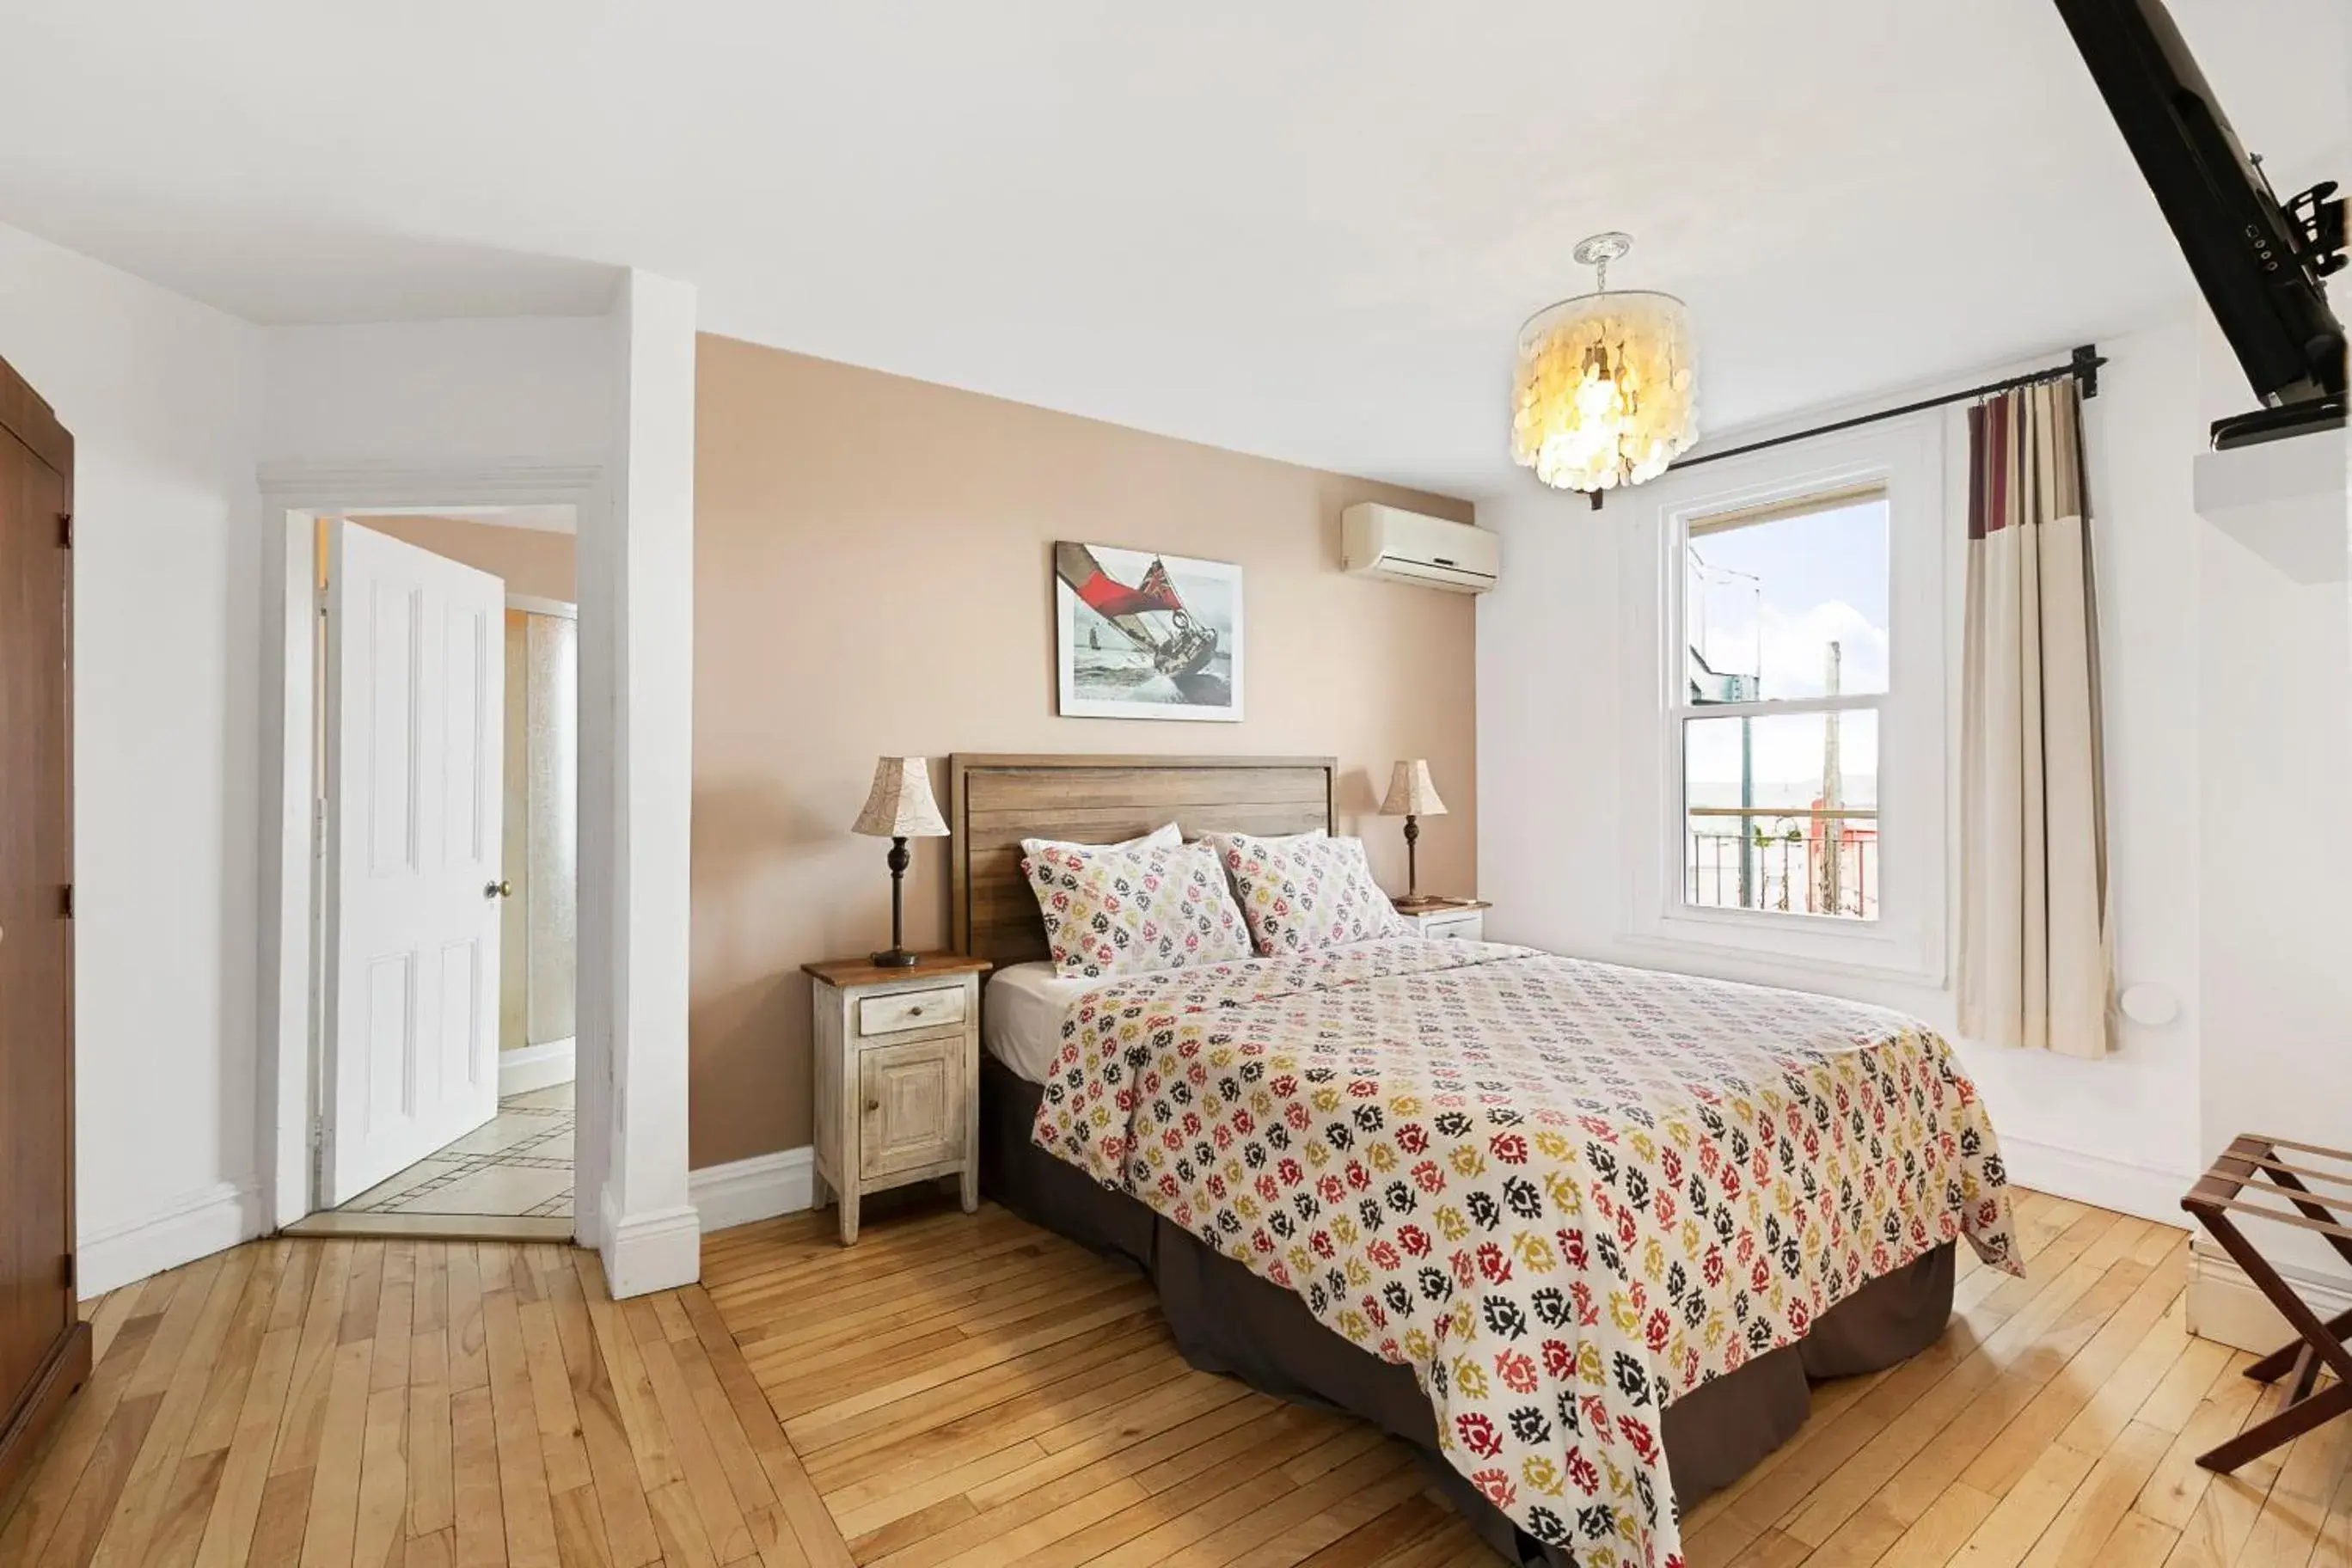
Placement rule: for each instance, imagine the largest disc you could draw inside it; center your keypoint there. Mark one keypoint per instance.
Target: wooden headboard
(995, 802)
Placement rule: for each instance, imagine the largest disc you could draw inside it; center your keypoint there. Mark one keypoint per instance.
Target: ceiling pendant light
(1604, 394)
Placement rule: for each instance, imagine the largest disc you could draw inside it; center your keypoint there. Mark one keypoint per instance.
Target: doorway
(445, 668)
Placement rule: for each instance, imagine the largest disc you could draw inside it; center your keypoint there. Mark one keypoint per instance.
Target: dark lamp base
(895, 958)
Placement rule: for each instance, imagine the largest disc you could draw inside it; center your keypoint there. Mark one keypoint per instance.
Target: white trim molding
(2139, 1190)
(209, 1220)
(647, 1252)
(2225, 1305)
(760, 1187)
(371, 486)
(527, 1068)
(636, 717)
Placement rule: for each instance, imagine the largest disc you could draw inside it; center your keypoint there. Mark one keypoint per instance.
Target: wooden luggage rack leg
(2282, 1165)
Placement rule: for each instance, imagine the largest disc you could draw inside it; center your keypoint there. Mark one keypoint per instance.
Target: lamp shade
(900, 805)
(1604, 392)
(1411, 792)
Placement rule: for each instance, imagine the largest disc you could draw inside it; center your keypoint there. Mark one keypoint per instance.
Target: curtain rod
(2083, 366)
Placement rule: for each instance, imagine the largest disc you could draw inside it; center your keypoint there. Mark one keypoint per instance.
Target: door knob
(498, 889)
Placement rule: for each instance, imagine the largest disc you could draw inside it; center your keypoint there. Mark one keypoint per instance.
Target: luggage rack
(2281, 1167)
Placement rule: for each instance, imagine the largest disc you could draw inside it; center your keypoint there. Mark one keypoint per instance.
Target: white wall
(2275, 959)
(614, 395)
(2124, 1131)
(1551, 684)
(364, 414)
(163, 398)
(535, 388)
(173, 405)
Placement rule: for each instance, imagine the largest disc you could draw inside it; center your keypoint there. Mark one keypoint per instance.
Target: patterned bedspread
(1563, 1193)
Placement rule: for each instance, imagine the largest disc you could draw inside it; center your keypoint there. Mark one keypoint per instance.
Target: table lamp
(1412, 796)
(900, 807)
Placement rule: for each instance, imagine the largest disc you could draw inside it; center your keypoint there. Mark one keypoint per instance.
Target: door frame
(662, 1242)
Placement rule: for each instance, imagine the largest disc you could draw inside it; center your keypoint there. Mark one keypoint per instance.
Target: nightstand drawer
(895, 1014)
(1462, 928)
(911, 1105)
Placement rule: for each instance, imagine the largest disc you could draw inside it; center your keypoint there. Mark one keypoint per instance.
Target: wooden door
(43, 1347)
(416, 757)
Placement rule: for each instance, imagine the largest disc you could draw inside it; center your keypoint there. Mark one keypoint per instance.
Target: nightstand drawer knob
(871, 1106)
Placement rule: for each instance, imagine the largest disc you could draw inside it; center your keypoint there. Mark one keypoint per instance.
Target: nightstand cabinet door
(911, 1105)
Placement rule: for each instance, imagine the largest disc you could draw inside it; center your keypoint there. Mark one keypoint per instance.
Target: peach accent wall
(534, 560)
(873, 569)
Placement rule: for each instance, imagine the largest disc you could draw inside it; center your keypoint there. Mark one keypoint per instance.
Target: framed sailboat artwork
(1144, 635)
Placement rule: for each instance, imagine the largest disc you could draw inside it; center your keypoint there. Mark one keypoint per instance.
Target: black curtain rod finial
(2085, 367)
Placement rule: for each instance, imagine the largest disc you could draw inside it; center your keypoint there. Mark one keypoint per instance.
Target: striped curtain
(2036, 952)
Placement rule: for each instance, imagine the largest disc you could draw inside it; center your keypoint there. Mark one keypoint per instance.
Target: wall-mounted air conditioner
(1387, 541)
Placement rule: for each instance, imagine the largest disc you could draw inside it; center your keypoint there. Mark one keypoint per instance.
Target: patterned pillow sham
(1303, 893)
(1114, 911)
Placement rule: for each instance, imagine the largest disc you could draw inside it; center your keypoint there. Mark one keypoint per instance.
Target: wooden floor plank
(621, 1510)
(525, 1502)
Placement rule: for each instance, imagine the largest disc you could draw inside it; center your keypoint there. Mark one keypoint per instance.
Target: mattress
(1021, 1016)
(1563, 1195)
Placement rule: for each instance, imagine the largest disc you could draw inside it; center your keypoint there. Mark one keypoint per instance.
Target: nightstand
(1462, 918)
(897, 1077)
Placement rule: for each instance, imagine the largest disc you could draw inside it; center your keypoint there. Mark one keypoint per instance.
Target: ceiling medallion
(1605, 395)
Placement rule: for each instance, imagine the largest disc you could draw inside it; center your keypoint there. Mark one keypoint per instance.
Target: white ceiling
(1308, 229)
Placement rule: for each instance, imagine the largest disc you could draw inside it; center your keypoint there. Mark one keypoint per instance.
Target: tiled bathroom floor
(518, 1162)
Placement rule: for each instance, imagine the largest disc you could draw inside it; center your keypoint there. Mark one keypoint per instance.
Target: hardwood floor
(966, 1390)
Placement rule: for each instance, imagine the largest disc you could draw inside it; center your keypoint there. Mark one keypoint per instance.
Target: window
(1784, 789)
(1784, 633)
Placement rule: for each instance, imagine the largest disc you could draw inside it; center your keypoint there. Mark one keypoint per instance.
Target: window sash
(1679, 713)
(1844, 702)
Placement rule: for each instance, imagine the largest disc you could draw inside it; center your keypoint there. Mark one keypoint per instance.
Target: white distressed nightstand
(897, 1077)
(1463, 918)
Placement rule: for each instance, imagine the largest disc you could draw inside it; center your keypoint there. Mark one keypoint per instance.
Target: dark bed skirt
(1227, 1320)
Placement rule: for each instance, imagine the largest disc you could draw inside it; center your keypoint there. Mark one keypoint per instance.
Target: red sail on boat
(1148, 613)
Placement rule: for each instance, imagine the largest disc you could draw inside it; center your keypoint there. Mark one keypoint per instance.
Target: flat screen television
(2258, 259)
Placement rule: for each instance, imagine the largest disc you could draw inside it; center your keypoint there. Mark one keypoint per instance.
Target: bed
(1583, 1235)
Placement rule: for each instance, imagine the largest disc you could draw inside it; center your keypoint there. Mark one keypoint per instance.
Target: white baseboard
(211, 1220)
(2224, 1305)
(760, 1187)
(660, 1250)
(527, 1068)
(2115, 1185)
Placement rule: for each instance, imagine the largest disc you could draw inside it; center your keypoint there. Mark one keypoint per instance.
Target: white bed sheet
(1021, 1016)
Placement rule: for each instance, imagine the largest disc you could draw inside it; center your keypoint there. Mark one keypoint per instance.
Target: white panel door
(416, 709)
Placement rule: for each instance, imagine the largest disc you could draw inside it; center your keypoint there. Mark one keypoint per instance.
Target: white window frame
(1908, 938)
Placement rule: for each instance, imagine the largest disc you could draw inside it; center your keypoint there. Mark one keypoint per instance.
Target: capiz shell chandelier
(1605, 395)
